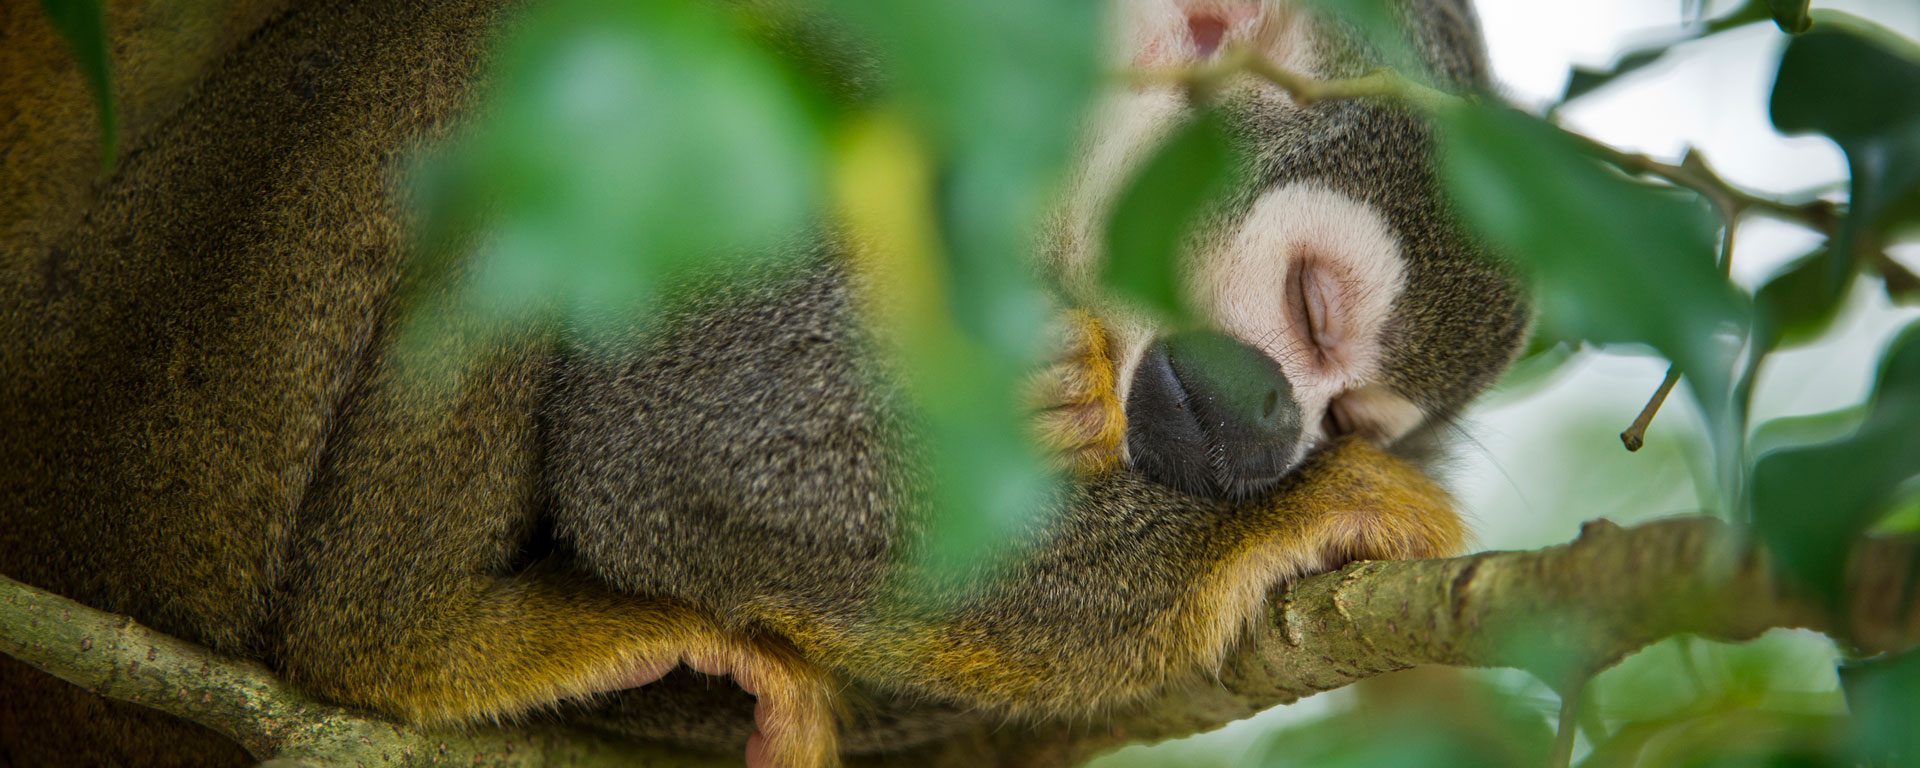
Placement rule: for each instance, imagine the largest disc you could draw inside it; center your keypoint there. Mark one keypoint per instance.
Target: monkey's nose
(1212, 416)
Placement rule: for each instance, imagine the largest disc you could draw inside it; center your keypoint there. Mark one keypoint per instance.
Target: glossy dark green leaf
(1151, 224)
(84, 27)
(1585, 80)
(1811, 502)
(1619, 262)
(1884, 695)
(1799, 304)
(1791, 15)
(622, 143)
(1858, 84)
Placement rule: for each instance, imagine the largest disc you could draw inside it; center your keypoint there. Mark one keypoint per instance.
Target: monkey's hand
(1076, 399)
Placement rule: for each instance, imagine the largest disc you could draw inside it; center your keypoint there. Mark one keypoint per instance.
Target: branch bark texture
(1564, 612)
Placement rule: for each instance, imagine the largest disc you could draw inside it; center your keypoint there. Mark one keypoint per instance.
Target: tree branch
(1564, 612)
(118, 658)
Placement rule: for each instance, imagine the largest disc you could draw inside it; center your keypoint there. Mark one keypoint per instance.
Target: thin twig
(1384, 84)
(1730, 200)
(1636, 433)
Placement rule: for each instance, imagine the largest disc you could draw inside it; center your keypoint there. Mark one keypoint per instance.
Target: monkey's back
(171, 365)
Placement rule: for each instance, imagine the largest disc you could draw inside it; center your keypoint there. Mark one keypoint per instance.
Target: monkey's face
(1333, 294)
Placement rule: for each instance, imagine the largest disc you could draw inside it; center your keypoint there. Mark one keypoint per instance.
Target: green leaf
(1585, 80)
(1808, 429)
(999, 88)
(1450, 722)
(1799, 304)
(1154, 218)
(1791, 15)
(1811, 502)
(1380, 28)
(1619, 262)
(622, 143)
(1859, 84)
(84, 27)
(1884, 695)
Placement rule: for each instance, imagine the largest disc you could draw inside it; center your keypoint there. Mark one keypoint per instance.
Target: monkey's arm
(1136, 588)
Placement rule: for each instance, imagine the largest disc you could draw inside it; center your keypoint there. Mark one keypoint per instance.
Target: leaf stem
(1384, 84)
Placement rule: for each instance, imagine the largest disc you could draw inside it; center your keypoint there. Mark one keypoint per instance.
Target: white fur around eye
(1240, 285)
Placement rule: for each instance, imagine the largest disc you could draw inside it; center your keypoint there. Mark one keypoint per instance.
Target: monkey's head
(1332, 293)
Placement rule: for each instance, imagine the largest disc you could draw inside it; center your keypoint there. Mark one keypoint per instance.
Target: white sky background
(1539, 462)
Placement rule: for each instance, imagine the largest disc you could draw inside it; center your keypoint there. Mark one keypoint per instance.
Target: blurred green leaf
(1884, 695)
(1799, 304)
(1618, 261)
(1791, 15)
(999, 87)
(1151, 224)
(1684, 701)
(1791, 431)
(1905, 517)
(1812, 502)
(82, 24)
(1471, 724)
(622, 143)
(1379, 26)
(1535, 370)
(1859, 84)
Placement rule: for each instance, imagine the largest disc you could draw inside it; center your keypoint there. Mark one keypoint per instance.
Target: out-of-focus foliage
(1885, 697)
(1151, 221)
(1812, 501)
(84, 27)
(1535, 195)
(997, 89)
(615, 139)
(1423, 718)
(1859, 84)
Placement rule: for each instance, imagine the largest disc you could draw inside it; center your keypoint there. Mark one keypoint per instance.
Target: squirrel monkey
(208, 428)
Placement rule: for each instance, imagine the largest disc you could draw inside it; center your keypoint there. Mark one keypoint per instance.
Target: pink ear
(1176, 32)
(1206, 32)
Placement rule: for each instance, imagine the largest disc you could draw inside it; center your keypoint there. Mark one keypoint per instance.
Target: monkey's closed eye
(1312, 311)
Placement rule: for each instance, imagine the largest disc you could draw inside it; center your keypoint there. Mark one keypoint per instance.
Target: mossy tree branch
(1563, 612)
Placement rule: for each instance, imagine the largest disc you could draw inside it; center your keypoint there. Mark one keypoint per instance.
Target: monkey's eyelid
(1312, 302)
